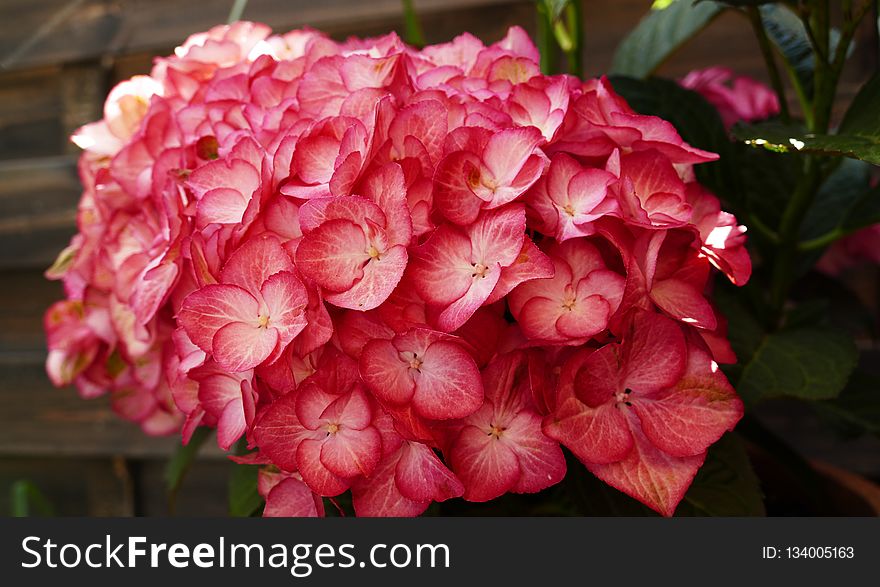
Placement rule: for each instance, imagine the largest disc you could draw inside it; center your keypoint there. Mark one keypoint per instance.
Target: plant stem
(574, 16)
(826, 76)
(770, 60)
(236, 11)
(413, 32)
(820, 242)
(544, 38)
(789, 230)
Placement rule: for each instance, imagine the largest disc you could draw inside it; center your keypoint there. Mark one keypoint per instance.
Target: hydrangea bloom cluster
(411, 274)
(736, 97)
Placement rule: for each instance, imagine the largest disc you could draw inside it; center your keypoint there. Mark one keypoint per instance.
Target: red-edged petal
(448, 384)
(385, 373)
(442, 268)
(207, 310)
(487, 467)
(690, 417)
(238, 346)
(380, 276)
(316, 475)
(333, 255)
(541, 461)
(421, 476)
(286, 300)
(649, 475)
(453, 193)
(654, 354)
(348, 453)
(291, 498)
(254, 262)
(684, 302)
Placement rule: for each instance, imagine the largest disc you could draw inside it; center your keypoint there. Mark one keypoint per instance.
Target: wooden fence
(58, 60)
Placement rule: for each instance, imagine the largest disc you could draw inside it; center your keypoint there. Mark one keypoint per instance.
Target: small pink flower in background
(737, 98)
(860, 247)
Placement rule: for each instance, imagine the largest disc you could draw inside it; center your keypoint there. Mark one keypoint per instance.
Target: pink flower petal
(380, 276)
(238, 346)
(207, 310)
(333, 255)
(291, 498)
(448, 383)
(254, 262)
(684, 302)
(649, 475)
(487, 467)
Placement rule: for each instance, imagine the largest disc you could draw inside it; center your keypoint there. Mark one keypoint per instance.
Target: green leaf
(788, 33)
(660, 33)
(698, 123)
(27, 499)
(726, 485)
(244, 500)
(181, 461)
(744, 330)
(787, 139)
(806, 363)
(863, 115)
(836, 199)
(857, 410)
(865, 212)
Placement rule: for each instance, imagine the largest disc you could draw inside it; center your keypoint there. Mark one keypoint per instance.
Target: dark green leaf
(244, 500)
(865, 212)
(845, 310)
(863, 116)
(182, 459)
(788, 33)
(784, 139)
(725, 485)
(659, 34)
(810, 313)
(836, 199)
(26, 499)
(806, 363)
(744, 329)
(767, 186)
(698, 123)
(857, 410)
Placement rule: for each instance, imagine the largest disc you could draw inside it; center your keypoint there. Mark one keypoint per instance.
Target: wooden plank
(88, 29)
(488, 22)
(83, 90)
(73, 487)
(203, 492)
(37, 419)
(38, 200)
(24, 297)
(30, 114)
